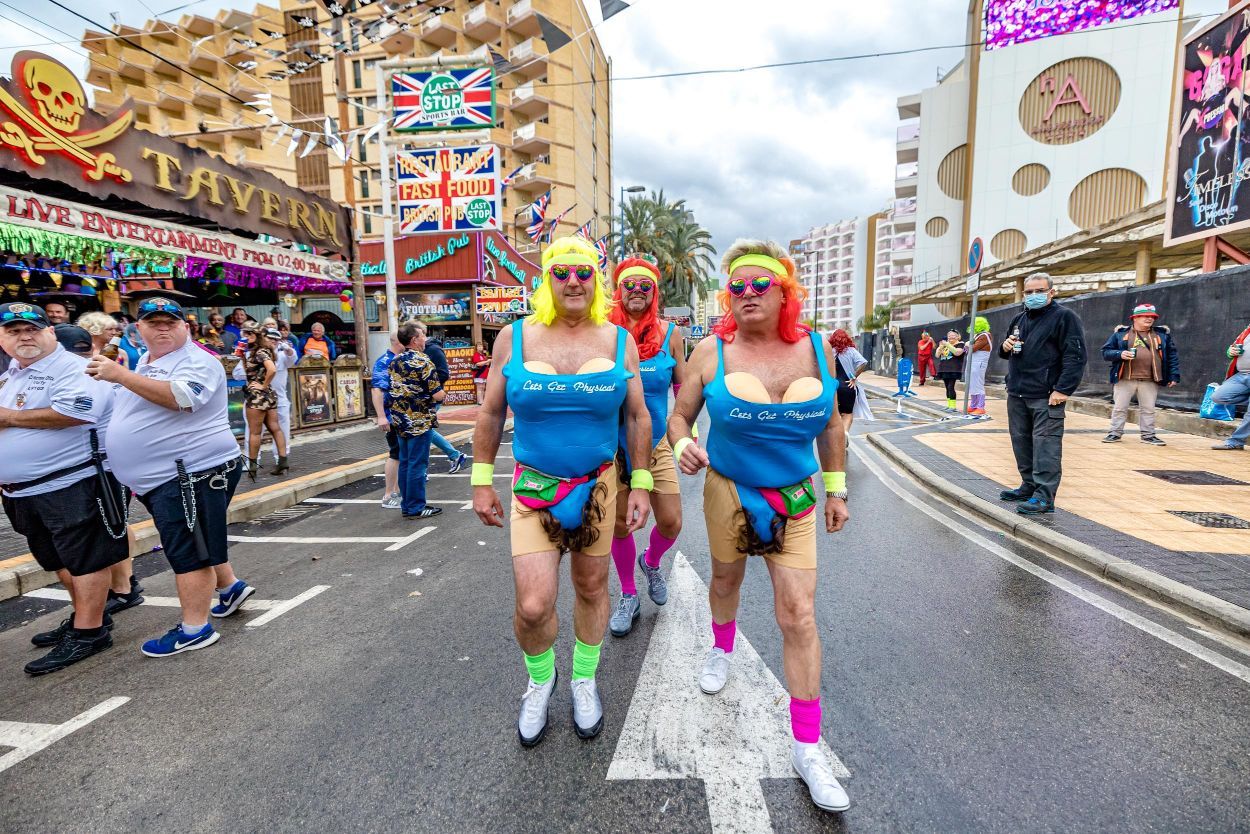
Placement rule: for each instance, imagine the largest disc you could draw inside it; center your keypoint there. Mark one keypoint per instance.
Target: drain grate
(279, 518)
(1221, 521)
(1191, 477)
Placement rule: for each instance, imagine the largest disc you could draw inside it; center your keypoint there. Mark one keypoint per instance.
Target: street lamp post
(631, 189)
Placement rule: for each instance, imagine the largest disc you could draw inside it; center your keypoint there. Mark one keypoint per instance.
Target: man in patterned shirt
(414, 391)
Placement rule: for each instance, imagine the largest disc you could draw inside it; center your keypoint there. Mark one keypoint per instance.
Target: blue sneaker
(230, 601)
(176, 641)
(1035, 506)
(458, 463)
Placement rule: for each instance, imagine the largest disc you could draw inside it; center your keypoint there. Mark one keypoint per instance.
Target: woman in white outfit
(852, 402)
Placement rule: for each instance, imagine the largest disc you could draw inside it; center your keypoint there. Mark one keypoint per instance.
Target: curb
(27, 575)
(1204, 606)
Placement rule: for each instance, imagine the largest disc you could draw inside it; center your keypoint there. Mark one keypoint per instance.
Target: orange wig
(648, 330)
(788, 326)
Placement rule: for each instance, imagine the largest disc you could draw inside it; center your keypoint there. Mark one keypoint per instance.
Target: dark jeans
(414, 463)
(1037, 439)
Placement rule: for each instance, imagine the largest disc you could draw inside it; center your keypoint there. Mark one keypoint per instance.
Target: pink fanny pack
(540, 491)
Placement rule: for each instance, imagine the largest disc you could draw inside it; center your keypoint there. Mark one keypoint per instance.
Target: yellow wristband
(641, 479)
(681, 446)
(694, 430)
(483, 474)
(834, 481)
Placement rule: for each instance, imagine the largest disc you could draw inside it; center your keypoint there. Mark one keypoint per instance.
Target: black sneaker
(1111, 438)
(120, 602)
(71, 648)
(50, 638)
(1020, 493)
(426, 513)
(1153, 441)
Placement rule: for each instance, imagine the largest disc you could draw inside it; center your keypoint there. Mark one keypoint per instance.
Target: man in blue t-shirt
(380, 381)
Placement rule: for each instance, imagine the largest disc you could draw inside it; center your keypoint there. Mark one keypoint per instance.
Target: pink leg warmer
(624, 553)
(723, 635)
(658, 546)
(805, 720)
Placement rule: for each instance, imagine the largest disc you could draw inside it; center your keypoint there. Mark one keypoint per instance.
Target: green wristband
(834, 481)
(641, 479)
(483, 474)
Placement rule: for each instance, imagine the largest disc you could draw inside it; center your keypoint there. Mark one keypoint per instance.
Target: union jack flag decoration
(444, 99)
(584, 229)
(507, 181)
(602, 245)
(551, 228)
(538, 217)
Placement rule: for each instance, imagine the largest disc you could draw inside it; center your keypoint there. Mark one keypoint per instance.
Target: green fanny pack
(793, 501)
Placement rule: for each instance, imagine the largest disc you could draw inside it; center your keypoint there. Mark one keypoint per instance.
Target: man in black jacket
(1045, 352)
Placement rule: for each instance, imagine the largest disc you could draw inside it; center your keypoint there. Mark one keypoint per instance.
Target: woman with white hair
(102, 328)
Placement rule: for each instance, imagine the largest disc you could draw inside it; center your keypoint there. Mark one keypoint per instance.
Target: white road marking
(312, 539)
(412, 537)
(464, 505)
(416, 571)
(285, 606)
(159, 602)
(465, 475)
(1150, 627)
(28, 738)
(730, 740)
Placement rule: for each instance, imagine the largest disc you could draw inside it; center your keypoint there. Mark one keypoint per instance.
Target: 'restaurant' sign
(23, 209)
(47, 132)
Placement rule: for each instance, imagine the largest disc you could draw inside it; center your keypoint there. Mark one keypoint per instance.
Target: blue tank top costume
(767, 449)
(565, 427)
(657, 379)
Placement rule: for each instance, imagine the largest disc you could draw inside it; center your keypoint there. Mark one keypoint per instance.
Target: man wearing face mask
(1045, 353)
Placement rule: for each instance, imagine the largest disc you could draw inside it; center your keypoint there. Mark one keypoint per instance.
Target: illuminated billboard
(1009, 22)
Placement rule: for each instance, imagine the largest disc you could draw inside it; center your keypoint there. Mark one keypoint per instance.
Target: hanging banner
(1009, 22)
(1206, 195)
(448, 189)
(501, 300)
(444, 99)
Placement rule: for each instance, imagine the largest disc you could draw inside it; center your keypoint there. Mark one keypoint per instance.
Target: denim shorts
(165, 505)
(65, 529)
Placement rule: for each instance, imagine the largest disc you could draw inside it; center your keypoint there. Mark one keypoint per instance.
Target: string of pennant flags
(343, 146)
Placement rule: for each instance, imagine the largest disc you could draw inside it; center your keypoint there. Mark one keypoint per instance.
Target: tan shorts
(528, 535)
(721, 507)
(664, 469)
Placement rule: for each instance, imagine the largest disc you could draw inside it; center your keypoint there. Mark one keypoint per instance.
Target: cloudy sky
(765, 153)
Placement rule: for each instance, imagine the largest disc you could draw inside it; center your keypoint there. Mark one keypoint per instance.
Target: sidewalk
(1173, 520)
(320, 461)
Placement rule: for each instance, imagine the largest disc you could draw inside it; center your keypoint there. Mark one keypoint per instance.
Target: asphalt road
(969, 685)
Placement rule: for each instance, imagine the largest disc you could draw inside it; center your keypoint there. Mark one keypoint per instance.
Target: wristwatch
(843, 494)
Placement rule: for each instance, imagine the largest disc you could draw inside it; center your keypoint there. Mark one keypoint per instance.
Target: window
(366, 222)
(360, 148)
(364, 184)
(357, 76)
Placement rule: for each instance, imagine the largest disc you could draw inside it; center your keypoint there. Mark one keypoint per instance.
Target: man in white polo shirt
(170, 442)
(49, 482)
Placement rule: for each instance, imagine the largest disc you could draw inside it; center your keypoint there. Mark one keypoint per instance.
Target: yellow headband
(572, 259)
(640, 271)
(767, 262)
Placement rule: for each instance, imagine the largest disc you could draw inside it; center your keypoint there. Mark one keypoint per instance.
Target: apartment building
(833, 265)
(192, 80)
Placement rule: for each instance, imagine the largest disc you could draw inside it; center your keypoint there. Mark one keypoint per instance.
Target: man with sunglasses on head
(170, 442)
(566, 373)
(662, 362)
(48, 479)
(770, 397)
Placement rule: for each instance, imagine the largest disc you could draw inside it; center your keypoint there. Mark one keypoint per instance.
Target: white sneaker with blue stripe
(176, 641)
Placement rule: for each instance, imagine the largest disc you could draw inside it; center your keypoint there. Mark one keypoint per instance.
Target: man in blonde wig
(565, 372)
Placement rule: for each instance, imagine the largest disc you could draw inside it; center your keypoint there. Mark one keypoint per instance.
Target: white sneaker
(391, 502)
(815, 770)
(715, 671)
(587, 711)
(532, 725)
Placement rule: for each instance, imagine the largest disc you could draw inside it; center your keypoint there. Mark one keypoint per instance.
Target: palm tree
(667, 229)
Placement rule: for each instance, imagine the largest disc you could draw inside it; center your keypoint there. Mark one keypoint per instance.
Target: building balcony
(234, 19)
(536, 176)
(203, 61)
(523, 20)
(907, 138)
(399, 42)
(532, 138)
(136, 64)
(902, 257)
(909, 106)
(102, 70)
(204, 96)
(529, 57)
(484, 21)
(906, 178)
(198, 25)
(245, 87)
(441, 30)
(904, 206)
(172, 98)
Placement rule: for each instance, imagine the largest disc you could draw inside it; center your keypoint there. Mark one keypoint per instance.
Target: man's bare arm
(36, 418)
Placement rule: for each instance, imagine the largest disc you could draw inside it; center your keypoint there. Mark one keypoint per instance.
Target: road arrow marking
(730, 740)
(27, 739)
